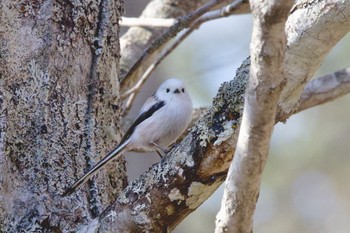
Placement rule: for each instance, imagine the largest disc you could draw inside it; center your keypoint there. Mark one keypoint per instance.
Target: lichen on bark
(59, 97)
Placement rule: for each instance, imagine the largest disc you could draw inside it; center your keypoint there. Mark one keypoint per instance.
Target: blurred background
(305, 186)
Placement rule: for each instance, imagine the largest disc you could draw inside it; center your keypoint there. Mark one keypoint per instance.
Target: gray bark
(59, 102)
(313, 29)
(267, 50)
(325, 89)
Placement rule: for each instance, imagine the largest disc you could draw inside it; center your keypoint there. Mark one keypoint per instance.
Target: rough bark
(267, 50)
(58, 101)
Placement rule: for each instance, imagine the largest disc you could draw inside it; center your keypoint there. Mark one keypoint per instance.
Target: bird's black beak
(177, 91)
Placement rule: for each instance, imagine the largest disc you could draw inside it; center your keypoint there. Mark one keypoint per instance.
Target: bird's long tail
(109, 157)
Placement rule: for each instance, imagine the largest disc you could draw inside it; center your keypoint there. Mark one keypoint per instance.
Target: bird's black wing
(143, 116)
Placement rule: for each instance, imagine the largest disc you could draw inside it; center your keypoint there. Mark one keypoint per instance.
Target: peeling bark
(59, 97)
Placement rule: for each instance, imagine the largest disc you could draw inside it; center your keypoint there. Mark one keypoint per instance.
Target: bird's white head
(172, 90)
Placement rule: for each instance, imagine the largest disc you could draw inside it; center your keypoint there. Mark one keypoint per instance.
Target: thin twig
(146, 22)
(145, 75)
(228, 10)
(224, 12)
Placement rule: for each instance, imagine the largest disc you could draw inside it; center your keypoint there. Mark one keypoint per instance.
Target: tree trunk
(60, 111)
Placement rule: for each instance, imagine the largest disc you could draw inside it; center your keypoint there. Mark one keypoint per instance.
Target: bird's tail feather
(113, 154)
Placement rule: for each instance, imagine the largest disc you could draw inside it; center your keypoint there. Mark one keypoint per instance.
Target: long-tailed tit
(162, 119)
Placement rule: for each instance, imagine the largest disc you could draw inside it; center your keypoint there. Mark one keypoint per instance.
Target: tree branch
(313, 29)
(267, 51)
(148, 55)
(224, 12)
(137, 40)
(147, 22)
(325, 89)
(318, 91)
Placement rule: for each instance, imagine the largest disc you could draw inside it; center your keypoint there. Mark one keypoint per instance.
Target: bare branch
(313, 29)
(318, 91)
(137, 39)
(143, 55)
(267, 51)
(224, 12)
(182, 23)
(325, 89)
(236, 7)
(146, 22)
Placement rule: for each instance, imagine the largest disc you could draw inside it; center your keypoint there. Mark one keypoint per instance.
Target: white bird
(162, 119)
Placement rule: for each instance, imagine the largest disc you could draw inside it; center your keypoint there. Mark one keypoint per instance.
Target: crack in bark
(89, 116)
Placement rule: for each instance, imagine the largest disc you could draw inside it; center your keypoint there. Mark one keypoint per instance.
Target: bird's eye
(167, 90)
(183, 90)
